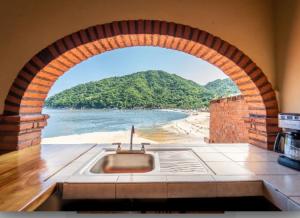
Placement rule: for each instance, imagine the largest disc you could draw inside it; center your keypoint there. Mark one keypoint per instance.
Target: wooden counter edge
(39, 199)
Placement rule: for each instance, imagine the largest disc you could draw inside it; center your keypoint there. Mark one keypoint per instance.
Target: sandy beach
(190, 130)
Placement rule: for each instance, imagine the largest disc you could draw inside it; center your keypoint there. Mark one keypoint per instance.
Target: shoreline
(191, 129)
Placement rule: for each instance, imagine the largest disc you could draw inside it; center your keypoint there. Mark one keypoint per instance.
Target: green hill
(222, 88)
(147, 89)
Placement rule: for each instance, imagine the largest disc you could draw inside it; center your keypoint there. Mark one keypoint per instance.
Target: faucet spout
(131, 137)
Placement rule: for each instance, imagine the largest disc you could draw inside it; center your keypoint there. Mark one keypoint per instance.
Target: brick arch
(22, 119)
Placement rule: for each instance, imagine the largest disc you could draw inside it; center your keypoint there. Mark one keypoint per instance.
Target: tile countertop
(234, 170)
(238, 170)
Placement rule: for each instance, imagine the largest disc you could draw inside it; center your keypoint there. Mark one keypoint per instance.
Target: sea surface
(68, 122)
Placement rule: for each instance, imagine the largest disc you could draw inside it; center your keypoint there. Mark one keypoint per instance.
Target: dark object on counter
(288, 141)
(285, 161)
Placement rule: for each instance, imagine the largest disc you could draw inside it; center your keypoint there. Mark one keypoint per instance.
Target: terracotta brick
(162, 40)
(76, 39)
(183, 43)
(210, 56)
(156, 27)
(105, 43)
(131, 25)
(179, 31)
(140, 27)
(187, 32)
(32, 68)
(92, 33)
(92, 48)
(227, 120)
(148, 27)
(83, 36)
(202, 51)
(148, 39)
(215, 57)
(168, 42)
(217, 44)
(195, 35)
(243, 61)
(195, 49)
(52, 70)
(155, 40)
(61, 47)
(237, 56)
(59, 65)
(87, 53)
(43, 81)
(37, 87)
(175, 43)
(119, 41)
(134, 40)
(53, 51)
(189, 45)
(202, 37)
(230, 51)
(141, 39)
(209, 40)
(30, 110)
(38, 75)
(38, 62)
(71, 57)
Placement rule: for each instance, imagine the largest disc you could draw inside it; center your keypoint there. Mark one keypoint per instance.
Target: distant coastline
(125, 109)
(191, 129)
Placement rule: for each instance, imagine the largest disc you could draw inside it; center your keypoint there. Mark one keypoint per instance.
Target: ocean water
(68, 122)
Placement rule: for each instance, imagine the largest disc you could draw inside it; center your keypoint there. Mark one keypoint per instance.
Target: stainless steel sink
(124, 163)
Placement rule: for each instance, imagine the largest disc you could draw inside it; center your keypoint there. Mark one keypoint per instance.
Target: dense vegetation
(222, 88)
(148, 89)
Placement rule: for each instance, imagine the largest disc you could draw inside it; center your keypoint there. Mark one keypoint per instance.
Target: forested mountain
(222, 88)
(147, 89)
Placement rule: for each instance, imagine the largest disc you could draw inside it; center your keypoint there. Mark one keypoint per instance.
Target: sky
(124, 61)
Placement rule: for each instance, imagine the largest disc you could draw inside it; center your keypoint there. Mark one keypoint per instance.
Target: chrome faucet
(131, 137)
(131, 151)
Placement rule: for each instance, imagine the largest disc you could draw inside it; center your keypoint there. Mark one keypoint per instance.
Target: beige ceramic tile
(238, 188)
(191, 189)
(88, 191)
(86, 158)
(97, 149)
(267, 168)
(228, 168)
(66, 172)
(276, 197)
(230, 149)
(58, 179)
(141, 190)
(141, 178)
(252, 157)
(296, 199)
(205, 149)
(236, 178)
(237, 145)
(286, 184)
(92, 179)
(293, 206)
(189, 178)
(255, 149)
(213, 157)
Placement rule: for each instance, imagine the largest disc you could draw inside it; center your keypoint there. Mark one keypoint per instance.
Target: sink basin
(124, 163)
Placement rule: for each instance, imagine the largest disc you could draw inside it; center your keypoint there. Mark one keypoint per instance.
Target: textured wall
(29, 26)
(227, 120)
(288, 54)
